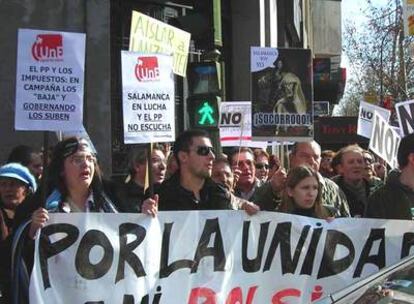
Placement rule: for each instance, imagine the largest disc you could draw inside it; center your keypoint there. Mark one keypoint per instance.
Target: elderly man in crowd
(351, 169)
(243, 165)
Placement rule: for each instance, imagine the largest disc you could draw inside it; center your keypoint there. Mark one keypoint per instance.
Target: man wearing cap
(16, 183)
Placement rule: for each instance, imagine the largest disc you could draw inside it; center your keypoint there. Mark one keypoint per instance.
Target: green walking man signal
(203, 110)
(206, 113)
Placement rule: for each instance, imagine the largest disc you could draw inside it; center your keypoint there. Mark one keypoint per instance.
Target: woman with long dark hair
(75, 174)
(302, 195)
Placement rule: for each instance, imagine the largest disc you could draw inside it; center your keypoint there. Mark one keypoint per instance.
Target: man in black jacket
(191, 188)
(395, 200)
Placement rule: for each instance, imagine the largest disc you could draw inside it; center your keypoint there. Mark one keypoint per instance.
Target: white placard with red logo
(49, 80)
(236, 125)
(148, 97)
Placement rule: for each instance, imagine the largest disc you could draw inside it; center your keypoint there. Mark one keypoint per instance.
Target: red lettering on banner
(209, 296)
(317, 293)
(202, 292)
(236, 296)
(278, 298)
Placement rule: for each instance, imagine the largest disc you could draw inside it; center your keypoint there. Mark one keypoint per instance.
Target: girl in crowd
(302, 195)
(75, 174)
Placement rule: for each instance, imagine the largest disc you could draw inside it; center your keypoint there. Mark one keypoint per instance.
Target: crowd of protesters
(192, 176)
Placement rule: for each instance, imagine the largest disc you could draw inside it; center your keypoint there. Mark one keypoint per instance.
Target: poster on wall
(49, 80)
(147, 97)
(282, 94)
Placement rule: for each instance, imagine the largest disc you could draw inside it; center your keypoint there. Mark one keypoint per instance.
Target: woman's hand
(39, 219)
(150, 206)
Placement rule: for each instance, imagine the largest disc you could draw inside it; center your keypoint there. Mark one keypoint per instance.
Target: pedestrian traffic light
(203, 110)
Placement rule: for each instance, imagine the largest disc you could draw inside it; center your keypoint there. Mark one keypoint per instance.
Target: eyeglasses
(204, 150)
(368, 160)
(262, 166)
(80, 159)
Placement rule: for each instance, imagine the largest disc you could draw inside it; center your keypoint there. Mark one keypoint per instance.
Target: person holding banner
(75, 174)
(132, 193)
(395, 200)
(303, 195)
(191, 187)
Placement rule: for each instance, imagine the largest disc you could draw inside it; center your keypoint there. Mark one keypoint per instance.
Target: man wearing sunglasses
(191, 187)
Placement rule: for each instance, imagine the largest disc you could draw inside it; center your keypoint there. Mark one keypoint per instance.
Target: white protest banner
(232, 133)
(405, 114)
(49, 80)
(384, 141)
(208, 257)
(366, 115)
(153, 36)
(147, 98)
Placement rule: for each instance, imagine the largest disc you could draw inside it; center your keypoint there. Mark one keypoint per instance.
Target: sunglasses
(262, 166)
(204, 150)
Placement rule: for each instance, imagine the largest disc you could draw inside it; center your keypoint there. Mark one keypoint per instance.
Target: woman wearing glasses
(74, 185)
(302, 195)
(76, 180)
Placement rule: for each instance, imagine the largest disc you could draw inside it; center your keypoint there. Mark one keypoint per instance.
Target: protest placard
(384, 140)
(366, 115)
(49, 80)
(282, 94)
(405, 114)
(153, 36)
(236, 125)
(147, 98)
(216, 256)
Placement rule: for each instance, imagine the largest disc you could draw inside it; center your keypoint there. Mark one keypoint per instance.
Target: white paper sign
(49, 80)
(208, 257)
(262, 58)
(236, 126)
(384, 141)
(405, 113)
(148, 97)
(366, 116)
